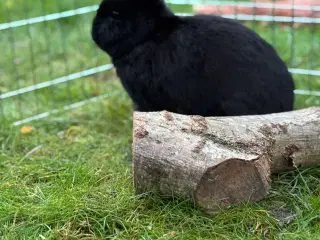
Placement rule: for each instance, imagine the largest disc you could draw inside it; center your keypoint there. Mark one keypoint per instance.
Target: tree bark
(220, 161)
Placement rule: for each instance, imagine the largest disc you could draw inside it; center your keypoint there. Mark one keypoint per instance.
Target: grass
(70, 178)
(78, 184)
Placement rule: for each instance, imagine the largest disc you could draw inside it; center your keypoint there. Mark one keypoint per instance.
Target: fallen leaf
(96, 92)
(26, 129)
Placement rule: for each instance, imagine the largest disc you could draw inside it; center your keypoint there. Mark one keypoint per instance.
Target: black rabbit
(197, 65)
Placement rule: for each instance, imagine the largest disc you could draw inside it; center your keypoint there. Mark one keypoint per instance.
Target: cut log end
(233, 182)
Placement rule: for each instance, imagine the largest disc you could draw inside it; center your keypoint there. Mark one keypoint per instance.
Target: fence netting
(49, 64)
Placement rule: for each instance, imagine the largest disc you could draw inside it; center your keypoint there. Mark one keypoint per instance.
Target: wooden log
(220, 161)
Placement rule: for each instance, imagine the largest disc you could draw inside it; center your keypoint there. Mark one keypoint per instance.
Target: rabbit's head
(127, 8)
(122, 22)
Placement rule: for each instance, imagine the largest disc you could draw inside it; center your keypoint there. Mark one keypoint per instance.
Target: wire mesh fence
(48, 62)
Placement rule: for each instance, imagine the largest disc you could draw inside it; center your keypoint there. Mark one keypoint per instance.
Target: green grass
(71, 178)
(78, 184)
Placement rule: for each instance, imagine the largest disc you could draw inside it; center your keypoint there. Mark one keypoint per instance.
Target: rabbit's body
(199, 65)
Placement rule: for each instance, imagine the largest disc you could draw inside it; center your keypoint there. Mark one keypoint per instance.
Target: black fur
(200, 65)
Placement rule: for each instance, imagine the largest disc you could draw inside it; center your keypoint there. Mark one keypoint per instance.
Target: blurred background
(49, 64)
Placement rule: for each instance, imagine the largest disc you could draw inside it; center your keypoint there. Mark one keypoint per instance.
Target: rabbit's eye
(115, 13)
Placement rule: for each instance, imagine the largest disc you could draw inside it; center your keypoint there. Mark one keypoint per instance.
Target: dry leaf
(26, 129)
(96, 92)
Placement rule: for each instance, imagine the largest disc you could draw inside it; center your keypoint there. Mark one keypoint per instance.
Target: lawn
(70, 176)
